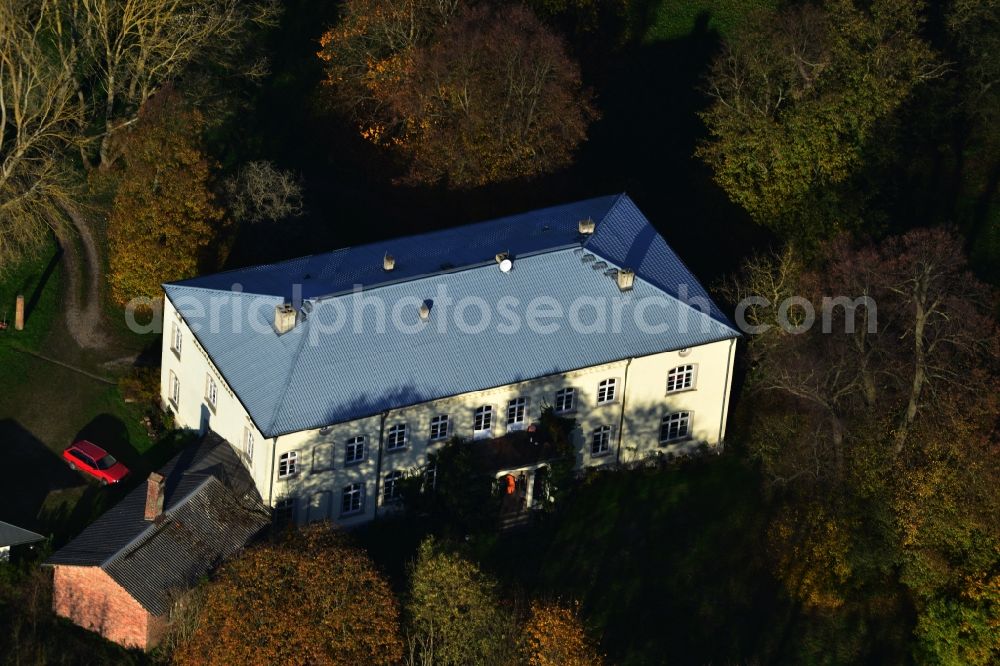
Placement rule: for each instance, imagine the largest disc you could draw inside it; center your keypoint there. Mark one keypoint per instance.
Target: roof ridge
(406, 237)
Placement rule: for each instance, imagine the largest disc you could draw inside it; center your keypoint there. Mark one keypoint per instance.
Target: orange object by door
(511, 483)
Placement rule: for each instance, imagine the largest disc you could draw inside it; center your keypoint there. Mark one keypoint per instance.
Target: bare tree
(261, 192)
(127, 49)
(913, 325)
(38, 122)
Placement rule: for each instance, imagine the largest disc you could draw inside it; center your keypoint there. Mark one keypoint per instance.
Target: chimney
(625, 279)
(154, 496)
(284, 318)
(587, 226)
(388, 262)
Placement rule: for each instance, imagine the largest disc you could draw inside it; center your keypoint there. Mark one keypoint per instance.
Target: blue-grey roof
(12, 535)
(318, 374)
(211, 510)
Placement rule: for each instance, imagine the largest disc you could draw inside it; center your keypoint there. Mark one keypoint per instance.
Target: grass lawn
(674, 19)
(45, 406)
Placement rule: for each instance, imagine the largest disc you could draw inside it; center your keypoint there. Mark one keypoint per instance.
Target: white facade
(313, 474)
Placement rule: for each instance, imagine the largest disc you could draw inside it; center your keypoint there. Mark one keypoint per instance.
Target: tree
(312, 598)
(364, 54)
(124, 51)
(468, 95)
(462, 498)
(454, 613)
(799, 96)
(554, 636)
(914, 320)
(882, 436)
(261, 192)
(38, 121)
(164, 216)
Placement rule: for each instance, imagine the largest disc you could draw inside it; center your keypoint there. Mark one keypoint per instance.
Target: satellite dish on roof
(506, 265)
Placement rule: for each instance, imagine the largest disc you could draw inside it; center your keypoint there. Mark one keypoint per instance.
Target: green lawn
(672, 19)
(38, 279)
(45, 406)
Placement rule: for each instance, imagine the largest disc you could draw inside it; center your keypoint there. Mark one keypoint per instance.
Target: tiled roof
(12, 535)
(211, 510)
(317, 374)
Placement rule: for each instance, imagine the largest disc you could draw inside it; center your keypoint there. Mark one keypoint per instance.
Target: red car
(95, 461)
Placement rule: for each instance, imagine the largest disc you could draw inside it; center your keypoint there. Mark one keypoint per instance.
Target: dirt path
(82, 270)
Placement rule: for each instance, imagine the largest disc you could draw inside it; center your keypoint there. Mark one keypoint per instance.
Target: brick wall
(90, 598)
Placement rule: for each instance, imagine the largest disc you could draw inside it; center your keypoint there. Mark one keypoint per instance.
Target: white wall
(229, 419)
(641, 383)
(646, 401)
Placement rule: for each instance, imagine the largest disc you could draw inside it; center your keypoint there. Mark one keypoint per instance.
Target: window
(395, 438)
(606, 391)
(680, 378)
(288, 464)
(439, 427)
(352, 499)
(284, 512)
(176, 338)
(483, 421)
(430, 477)
(515, 413)
(175, 389)
(248, 442)
(391, 492)
(565, 400)
(674, 427)
(601, 443)
(354, 450)
(106, 462)
(211, 391)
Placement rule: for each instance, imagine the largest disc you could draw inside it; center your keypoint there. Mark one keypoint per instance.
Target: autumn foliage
(164, 216)
(882, 438)
(454, 612)
(554, 636)
(799, 97)
(313, 598)
(469, 95)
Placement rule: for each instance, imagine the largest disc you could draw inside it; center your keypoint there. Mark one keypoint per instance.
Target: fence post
(19, 314)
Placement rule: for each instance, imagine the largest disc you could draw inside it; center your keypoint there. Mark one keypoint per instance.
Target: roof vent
(626, 279)
(503, 258)
(587, 226)
(425, 311)
(388, 262)
(284, 318)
